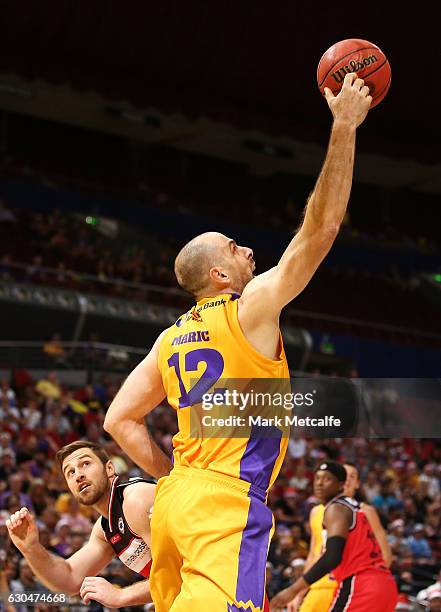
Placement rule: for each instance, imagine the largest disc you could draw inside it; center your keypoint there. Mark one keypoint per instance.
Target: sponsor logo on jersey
(121, 524)
(136, 555)
(115, 539)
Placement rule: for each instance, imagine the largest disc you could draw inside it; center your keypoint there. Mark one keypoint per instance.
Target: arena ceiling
(245, 64)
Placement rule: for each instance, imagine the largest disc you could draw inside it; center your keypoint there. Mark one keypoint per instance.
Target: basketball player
(123, 530)
(352, 485)
(211, 526)
(352, 553)
(321, 593)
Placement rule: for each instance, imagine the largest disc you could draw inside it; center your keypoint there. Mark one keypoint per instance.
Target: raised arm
(58, 574)
(141, 392)
(324, 212)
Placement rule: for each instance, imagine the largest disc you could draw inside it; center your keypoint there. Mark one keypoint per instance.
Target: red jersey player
(352, 553)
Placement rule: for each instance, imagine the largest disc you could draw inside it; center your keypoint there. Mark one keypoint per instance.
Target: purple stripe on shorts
(256, 467)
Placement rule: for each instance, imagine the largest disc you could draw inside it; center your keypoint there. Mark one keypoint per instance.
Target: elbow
(73, 592)
(110, 425)
(328, 232)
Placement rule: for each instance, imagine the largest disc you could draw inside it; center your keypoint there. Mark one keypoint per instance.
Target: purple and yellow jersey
(206, 345)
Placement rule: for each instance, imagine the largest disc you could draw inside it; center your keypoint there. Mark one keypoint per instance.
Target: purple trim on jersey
(235, 296)
(256, 467)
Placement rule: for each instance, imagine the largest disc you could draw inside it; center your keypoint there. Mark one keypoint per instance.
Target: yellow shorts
(318, 600)
(210, 539)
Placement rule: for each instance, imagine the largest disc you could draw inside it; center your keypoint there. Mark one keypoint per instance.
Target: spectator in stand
(39, 495)
(16, 486)
(299, 545)
(5, 443)
(7, 466)
(55, 350)
(56, 421)
(300, 480)
(286, 511)
(429, 476)
(418, 543)
(371, 487)
(26, 583)
(77, 522)
(49, 387)
(32, 415)
(397, 541)
(63, 541)
(423, 595)
(434, 601)
(6, 392)
(386, 499)
(406, 584)
(9, 413)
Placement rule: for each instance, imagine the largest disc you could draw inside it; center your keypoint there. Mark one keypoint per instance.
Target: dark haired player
(121, 530)
(352, 553)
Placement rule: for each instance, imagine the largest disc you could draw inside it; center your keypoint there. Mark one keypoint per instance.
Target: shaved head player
(211, 526)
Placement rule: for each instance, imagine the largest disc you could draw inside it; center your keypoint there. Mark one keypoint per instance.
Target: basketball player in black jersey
(121, 530)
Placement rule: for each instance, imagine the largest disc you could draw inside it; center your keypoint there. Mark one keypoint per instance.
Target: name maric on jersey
(353, 66)
(199, 336)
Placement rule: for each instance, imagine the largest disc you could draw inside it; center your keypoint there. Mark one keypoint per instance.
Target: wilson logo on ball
(353, 66)
(357, 55)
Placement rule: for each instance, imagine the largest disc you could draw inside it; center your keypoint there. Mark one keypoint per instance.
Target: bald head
(196, 258)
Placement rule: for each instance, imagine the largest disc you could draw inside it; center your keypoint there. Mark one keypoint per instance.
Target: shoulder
(368, 509)
(138, 495)
(97, 533)
(137, 505)
(370, 513)
(338, 509)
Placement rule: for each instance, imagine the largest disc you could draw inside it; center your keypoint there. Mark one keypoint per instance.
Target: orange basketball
(355, 55)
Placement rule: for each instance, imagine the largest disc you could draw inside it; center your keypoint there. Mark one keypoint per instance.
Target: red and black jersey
(129, 547)
(362, 550)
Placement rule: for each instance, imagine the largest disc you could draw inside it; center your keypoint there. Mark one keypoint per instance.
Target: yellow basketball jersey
(206, 345)
(319, 546)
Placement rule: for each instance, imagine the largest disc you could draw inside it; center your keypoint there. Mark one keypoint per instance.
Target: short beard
(101, 489)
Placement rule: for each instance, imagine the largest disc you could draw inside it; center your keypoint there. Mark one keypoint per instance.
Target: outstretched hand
(23, 530)
(352, 103)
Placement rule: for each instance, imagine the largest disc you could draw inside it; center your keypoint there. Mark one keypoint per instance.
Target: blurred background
(127, 130)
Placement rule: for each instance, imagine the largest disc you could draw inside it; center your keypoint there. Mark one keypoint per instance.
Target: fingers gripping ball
(355, 55)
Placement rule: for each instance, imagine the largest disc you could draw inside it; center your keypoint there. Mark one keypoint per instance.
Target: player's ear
(218, 276)
(110, 469)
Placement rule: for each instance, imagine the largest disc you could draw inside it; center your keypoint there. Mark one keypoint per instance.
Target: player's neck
(102, 505)
(214, 294)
